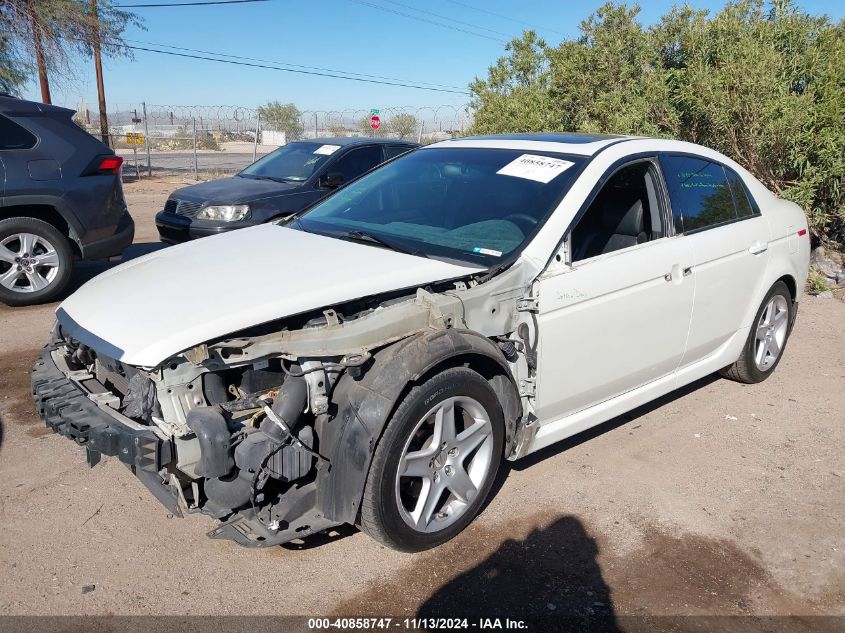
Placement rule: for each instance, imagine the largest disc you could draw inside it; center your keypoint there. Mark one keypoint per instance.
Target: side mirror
(331, 180)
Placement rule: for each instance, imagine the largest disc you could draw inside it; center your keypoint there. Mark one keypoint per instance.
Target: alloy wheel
(444, 463)
(771, 332)
(28, 262)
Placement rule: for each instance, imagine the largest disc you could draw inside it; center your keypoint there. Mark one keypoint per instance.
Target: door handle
(758, 247)
(677, 274)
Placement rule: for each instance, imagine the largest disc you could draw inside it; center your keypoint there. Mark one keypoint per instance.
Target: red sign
(375, 122)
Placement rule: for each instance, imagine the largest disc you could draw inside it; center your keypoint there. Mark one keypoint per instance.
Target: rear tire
(767, 339)
(36, 261)
(429, 476)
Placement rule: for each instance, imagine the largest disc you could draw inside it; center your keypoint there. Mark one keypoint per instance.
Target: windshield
(294, 162)
(472, 205)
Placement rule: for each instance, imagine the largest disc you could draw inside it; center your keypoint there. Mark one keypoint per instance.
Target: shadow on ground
(550, 577)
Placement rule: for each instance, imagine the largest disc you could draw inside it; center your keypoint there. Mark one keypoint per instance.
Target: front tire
(436, 462)
(767, 338)
(36, 261)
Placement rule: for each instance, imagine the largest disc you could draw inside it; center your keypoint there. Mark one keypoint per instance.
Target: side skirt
(553, 431)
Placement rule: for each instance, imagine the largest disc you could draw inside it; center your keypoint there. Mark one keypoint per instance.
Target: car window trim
(662, 202)
(725, 168)
(25, 129)
(662, 195)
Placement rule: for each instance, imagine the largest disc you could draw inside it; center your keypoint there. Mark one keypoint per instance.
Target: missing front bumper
(66, 408)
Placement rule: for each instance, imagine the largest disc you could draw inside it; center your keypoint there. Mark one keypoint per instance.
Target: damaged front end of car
(271, 430)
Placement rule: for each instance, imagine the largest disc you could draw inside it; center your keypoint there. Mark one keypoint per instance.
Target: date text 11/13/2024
(416, 624)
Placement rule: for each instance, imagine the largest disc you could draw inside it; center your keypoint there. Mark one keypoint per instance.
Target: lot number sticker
(327, 150)
(532, 167)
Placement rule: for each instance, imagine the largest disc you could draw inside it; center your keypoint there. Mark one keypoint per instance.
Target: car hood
(148, 309)
(234, 190)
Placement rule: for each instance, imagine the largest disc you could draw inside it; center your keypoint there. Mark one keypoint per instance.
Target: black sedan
(279, 184)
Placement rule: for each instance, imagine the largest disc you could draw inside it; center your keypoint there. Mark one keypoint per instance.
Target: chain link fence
(204, 142)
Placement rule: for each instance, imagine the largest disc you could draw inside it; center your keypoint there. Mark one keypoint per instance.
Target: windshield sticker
(327, 150)
(532, 167)
(487, 251)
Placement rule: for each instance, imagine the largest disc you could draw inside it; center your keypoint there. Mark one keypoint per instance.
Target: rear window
(13, 136)
(700, 193)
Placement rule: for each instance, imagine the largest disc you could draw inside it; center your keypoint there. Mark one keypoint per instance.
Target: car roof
(21, 107)
(562, 142)
(343, 141)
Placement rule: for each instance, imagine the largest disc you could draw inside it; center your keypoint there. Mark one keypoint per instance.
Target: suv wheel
(35, 261)
(436, 462)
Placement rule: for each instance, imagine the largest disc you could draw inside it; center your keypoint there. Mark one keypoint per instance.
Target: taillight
(110, 165)
(802, 232)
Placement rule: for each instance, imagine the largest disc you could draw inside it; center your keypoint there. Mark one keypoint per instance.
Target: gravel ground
(722, 499)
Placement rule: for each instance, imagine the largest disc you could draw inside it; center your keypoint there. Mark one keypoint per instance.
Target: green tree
(46, 34)
(766, 86)
(11, 73)
(403, 125)
(283, 117)
(516, 96)
(768, 89)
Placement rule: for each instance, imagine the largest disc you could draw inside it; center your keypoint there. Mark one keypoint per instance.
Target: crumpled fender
(364, 405)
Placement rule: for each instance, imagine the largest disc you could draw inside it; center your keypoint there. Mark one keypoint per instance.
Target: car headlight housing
(224, 212)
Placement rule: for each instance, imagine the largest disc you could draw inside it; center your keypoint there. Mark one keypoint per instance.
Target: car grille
(182, 207)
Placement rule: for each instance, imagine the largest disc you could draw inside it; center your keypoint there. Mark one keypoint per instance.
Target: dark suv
(60, 199)
(285, 181)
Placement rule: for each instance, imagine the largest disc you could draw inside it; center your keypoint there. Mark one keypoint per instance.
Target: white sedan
(373, 359)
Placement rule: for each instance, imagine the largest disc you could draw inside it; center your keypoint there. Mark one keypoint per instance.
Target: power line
(447, 18)
(184, 4)
(421, 19)
(291, 70)
(278, 63)
(505, 17)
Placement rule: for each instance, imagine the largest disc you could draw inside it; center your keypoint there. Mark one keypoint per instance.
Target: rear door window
(700, 193)
(13, 136)
(392, 151)
(740, 193)
(357, 162)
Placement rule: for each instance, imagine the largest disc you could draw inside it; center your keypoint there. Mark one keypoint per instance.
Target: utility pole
(39, 54)
(98, 66)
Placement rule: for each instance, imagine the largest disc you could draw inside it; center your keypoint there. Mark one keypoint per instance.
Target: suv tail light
(104, 165)
(110, 165)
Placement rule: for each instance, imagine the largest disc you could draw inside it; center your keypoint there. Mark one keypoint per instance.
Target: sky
(400, 39)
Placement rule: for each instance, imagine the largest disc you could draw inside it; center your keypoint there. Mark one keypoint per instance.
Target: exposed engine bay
(271, 430)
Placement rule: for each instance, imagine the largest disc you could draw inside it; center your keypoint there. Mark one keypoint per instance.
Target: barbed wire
(408, 120)
(211, 141)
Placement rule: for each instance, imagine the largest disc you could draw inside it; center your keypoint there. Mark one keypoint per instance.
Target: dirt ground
(721, 499)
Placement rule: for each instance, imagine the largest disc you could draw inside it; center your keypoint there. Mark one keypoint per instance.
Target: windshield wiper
(269, 178)
(361, 236)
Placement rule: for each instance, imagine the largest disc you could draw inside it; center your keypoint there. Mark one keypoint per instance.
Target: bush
(817, 282)
(765, 87)
(208, 142)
